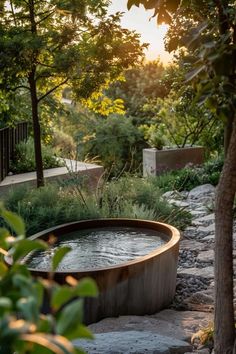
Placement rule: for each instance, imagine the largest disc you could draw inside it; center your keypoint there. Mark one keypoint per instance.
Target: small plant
(23, 328)
(205, 335)
(24, 159)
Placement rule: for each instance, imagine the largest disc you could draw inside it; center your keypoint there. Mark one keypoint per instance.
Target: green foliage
(24, 158)
(190, 177)
(141, 84)
(177, 119)
(63, 144)
(130, 197)
(49, 206)
(140, 198)
(52, 46)
(23, 328)
(155, 135)
(115, 142)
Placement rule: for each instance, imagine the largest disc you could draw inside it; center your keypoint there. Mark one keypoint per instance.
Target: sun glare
(140, 20)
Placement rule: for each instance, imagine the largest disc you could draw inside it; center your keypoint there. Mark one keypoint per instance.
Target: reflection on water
(97, 248)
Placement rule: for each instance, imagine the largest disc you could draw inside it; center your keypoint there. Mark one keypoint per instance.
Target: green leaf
(39, 292)
(59, 255)
(3, 269)
(87, 287)
(80, 331)
(70, 318)
(61, 295)
(5, 303)
(26, 246)
(14, 221)
(45, 324)
(28, 308)
(3, 232)
(24, 283)
(193, 73)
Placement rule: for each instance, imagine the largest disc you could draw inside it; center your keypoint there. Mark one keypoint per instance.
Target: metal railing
(9, 138)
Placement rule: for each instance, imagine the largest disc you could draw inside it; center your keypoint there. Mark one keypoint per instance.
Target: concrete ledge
(156, 161)
(90, 172)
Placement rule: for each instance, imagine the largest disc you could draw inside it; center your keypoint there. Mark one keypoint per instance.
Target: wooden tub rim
(174, 235)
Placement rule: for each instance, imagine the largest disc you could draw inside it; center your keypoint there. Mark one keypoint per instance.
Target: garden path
(170, 331)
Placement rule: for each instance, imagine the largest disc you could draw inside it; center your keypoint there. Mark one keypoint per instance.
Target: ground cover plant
(130, 197)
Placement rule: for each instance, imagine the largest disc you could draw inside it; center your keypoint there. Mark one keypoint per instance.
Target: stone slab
(177, 324)
(206, 256)
(133, 342)
(197, 213)
(179, 203)
(172, 195)
(189, 321)
(209, 238)
(192, 245)
(207, 272)
(201, 191)
(140, 323)
(207, 229)
(205, 219)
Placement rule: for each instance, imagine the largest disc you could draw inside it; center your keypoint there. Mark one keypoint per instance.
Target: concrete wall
(156, 161)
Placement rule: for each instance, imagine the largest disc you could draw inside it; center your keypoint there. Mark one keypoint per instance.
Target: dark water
(98, 248)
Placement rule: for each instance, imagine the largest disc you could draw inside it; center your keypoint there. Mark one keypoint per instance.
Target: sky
(140, 20)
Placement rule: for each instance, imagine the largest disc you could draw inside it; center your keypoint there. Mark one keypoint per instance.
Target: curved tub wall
(142, 286)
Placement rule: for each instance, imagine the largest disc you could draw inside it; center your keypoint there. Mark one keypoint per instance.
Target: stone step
(133, 342)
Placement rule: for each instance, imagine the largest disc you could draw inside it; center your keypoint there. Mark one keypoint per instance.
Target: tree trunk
(224, 336)
(36, 130)
(227, 133)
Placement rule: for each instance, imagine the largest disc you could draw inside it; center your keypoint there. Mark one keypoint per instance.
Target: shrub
(23, 328)
(116, 142)
(129, 197)
(49, 206)
(24, 159)
(63, 144)
(190, 177)
(139, 198)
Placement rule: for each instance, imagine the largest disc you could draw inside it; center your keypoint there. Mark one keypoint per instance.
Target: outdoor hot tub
(136, 275)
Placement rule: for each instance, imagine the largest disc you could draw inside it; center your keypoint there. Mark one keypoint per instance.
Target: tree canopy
(46, 45)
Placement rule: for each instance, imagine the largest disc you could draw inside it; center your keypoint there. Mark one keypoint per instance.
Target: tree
(208, 30)
(140, 84)
(46, 45)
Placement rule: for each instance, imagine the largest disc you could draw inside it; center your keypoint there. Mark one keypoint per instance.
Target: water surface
(99, 248)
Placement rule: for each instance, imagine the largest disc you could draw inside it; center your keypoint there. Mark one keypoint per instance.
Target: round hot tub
(134, 263)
